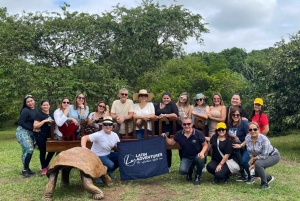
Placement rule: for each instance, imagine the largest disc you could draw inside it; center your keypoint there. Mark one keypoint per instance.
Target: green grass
(170, 186)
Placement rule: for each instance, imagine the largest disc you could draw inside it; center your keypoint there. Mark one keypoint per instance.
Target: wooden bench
(53, 145)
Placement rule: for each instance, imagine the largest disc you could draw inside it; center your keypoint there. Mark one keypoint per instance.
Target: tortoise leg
(88, 185)
(106, 179)
(50, 186)
(65, 174)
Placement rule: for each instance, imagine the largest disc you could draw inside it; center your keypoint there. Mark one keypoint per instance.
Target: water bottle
(252, 172)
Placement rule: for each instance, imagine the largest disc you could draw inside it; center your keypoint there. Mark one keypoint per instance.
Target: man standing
(122, 110)
(103, 142)
(193, 146)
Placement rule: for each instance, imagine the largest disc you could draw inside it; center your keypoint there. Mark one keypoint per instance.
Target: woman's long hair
(75, 101)
(186, 104)
(230, 120)
(221, 99)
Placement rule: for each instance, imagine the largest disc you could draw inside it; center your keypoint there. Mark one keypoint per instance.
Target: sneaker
(204, 169)
(26, 173)
(215, 181)
(99, 181)
(44, 170)
(264, 186)
(270, 179)
(250, 181)
(111, 175)
(241, 178)
(197, 180)
(226, 181)
(188, 177)
(30, 172)
(169, 169)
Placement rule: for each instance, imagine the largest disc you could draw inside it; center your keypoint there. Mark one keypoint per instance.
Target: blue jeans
(140, 133)
(187, 165)
(110, 161)
(246, 158)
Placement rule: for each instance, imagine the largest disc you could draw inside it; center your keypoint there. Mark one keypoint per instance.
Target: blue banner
(140, 159)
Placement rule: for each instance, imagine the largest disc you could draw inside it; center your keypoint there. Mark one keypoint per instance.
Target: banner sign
(140, 159)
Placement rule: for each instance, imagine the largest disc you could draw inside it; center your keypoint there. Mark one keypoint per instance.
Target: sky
(246, 24)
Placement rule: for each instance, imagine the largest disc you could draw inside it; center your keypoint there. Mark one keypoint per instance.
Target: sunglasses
(221, 129)
(80, 97)
(103, 106)
(183, 98)
(257, 104)
(200, 99)
(66, 102)
(143, 95)
(235, 115)
(254, 129)
(122, 94)
(186, 124)
(28, 96)
(107, 124)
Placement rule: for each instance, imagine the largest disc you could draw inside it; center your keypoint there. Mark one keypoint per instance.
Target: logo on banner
(131, 160)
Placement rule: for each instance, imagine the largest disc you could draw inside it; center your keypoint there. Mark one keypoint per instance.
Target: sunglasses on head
(143, 95)
(65, 102)
(186, 124)
(254, 129)
(107, 124)
(80, 97)
(221, 129)
(183, 98)
(200, 99)
(235, 115)
(123, 94)
(103, 106)
(28, 96)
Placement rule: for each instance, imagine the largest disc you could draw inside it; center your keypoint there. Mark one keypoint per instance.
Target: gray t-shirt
(198, 111)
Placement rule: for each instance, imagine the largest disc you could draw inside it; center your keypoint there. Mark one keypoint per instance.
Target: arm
(84, 112)
(84, 140)
(203, 151)
(266, 129)
(89, 119)
(22, 120)
(265, 122)
(39, 124)
(107, 111)
(223, 114)
(168, 140)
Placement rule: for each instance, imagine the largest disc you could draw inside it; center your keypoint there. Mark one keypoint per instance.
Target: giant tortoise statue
(89, 165)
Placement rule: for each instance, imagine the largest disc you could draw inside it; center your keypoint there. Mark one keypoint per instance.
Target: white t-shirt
(103, 143)
(148, 109)
(60, 118)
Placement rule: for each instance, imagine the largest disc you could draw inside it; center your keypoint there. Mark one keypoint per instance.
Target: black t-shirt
(45, 128)
(224, 146)
(27, 118)
(190, 146)
(168, 109)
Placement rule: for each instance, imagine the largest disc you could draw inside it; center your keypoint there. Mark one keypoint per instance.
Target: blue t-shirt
(240, 131)
(190, 146)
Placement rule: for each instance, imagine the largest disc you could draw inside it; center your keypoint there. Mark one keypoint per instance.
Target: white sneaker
(169, 169)
(204, 169)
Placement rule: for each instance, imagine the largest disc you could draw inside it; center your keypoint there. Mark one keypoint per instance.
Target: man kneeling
(193, 146)
(103, 142)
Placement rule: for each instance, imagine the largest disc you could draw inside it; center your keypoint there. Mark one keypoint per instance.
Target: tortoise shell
(83, 159)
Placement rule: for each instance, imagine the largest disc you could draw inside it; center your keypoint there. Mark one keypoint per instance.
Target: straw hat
(107, 119)
(135, 96)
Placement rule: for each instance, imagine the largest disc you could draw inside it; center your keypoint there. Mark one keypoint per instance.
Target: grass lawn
(170, 186)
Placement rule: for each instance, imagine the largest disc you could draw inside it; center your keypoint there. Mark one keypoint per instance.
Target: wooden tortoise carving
(89, 165)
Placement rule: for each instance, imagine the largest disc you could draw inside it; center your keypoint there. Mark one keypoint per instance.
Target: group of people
(228, 134)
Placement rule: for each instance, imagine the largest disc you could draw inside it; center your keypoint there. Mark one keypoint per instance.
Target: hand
(251, 167)
(251, 161)
(120, 119)
(75, 121)
(219, 168)
(138, 121)
(237, 146)
(201, 155)
(207, 139)
(37, 130)
(164, 135)
(81, 106)
(107, 108)
(146, 118)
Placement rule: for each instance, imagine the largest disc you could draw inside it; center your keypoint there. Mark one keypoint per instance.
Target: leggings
(224, 173)
(26, 139)
(261, 164)
(41, 142)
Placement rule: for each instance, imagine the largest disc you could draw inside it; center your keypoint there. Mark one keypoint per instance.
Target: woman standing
(217, 113)
(236, 102)
(43, 121)
(262, 154)
(200, 109)
(166, 108)
(260, 117)
(221, 142)
(101, 110)
(239, 128)
(24, 133)
(61, 116)
(79, 110)
(144, 110)
(183, 105)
